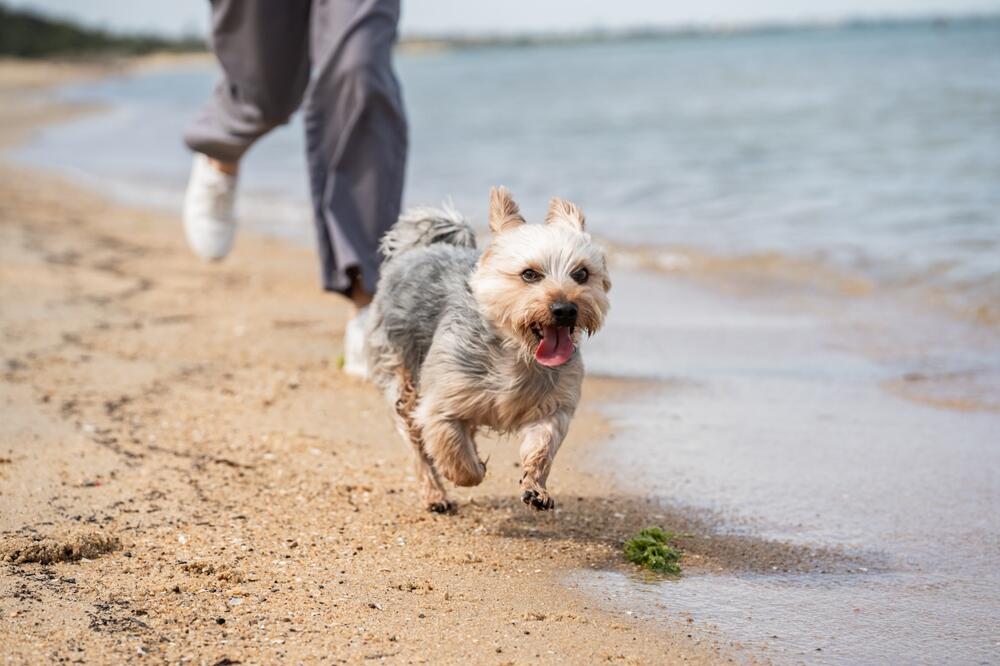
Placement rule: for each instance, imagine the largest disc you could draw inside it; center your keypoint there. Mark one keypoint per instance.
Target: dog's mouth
(555, 344)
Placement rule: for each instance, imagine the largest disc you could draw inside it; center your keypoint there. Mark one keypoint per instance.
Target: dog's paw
(442, 506)
(538, 500)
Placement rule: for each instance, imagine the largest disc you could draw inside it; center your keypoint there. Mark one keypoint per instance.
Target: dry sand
(186, 475)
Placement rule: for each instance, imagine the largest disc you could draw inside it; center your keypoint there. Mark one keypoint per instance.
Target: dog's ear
(504, 213)
(565, 213)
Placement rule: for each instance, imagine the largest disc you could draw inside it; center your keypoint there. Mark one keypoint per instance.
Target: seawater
(770, 419)
(872, 149)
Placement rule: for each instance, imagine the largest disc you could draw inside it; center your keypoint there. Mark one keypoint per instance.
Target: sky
(423, 17)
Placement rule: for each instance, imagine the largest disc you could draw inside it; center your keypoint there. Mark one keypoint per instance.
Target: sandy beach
(186, 475)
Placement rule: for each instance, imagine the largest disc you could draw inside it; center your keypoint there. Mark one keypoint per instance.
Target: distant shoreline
(31, 35)
(429, 42)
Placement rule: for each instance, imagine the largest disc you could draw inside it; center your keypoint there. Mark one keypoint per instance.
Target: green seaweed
(651, 548)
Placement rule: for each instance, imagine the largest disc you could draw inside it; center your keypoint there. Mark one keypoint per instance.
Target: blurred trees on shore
(26, 34)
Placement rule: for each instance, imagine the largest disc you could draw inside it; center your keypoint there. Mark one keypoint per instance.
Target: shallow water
(792, 407)
(770, 418)
(884, 619)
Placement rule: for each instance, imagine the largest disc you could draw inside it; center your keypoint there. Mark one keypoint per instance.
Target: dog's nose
(564, 313)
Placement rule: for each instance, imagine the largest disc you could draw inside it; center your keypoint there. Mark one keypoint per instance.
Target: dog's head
(540, 284)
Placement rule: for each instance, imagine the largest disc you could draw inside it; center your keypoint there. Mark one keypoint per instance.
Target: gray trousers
(336, 54)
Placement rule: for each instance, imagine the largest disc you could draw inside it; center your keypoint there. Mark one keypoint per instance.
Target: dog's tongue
(556, 346)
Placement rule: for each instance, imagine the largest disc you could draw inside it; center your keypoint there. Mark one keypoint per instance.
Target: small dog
(459, 341)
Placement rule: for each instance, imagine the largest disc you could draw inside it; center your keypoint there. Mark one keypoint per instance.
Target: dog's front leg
(451, 445)
(540, 442)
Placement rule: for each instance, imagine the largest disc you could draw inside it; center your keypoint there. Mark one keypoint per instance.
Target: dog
(459, 341)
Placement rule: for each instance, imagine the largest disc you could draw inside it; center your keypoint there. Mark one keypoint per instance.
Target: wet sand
(185, 474)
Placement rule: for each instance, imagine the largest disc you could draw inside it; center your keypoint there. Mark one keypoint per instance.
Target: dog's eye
(581, 275)
(530, 275)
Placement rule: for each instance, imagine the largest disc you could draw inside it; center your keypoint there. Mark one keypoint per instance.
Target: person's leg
(262, 47)
(356, 139)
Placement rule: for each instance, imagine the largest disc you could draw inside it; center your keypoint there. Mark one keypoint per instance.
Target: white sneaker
(209, 210)
(355, 362)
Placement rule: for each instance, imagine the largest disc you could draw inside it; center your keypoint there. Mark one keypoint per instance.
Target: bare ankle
(228, 168)
(358, 295)
(361, 299)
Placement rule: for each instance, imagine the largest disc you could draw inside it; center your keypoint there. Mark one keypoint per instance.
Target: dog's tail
(420, 227)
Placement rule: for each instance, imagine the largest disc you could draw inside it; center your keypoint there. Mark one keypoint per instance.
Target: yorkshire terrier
(459, 340)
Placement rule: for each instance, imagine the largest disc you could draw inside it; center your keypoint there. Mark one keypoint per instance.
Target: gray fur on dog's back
(422, 285)
(430, 255)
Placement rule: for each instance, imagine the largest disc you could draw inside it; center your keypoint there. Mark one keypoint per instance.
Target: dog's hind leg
(538, 450)
(431, 489)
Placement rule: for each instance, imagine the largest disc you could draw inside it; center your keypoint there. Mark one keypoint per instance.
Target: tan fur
(538, 450)
(522, 396)
(517, 394)
(555, 250)
(565, 212)
(431, 488)
(504, 213)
